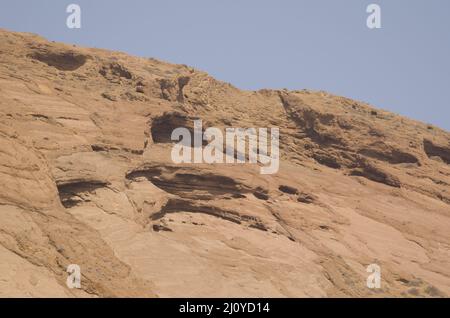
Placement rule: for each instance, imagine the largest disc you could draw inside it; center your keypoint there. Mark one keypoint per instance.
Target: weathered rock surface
(87, 179)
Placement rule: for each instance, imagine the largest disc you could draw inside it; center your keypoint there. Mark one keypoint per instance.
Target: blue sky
(403, 67)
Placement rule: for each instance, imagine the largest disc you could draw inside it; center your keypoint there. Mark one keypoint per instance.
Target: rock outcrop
(87, 179)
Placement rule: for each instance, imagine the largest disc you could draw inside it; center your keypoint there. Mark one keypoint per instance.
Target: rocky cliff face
(87, 179)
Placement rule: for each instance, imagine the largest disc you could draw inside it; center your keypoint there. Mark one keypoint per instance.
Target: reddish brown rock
(87, 179)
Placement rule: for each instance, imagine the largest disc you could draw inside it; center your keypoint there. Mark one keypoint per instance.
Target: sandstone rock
(87, 179)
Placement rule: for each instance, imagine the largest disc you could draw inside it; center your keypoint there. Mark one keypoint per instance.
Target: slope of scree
(87, 179)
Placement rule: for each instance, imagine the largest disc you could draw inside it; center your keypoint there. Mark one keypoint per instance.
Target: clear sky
(403, 67)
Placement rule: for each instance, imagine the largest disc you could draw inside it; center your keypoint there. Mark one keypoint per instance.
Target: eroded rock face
(87, 179)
